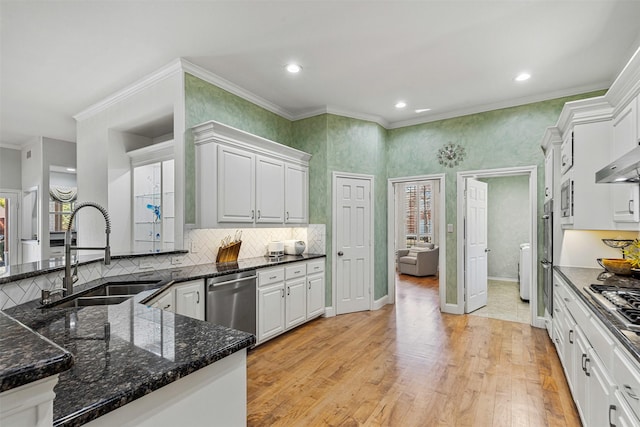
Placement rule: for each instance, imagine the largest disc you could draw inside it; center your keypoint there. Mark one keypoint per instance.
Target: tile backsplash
(202, 245)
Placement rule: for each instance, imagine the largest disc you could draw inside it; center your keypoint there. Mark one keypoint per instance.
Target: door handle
(288, 290)
(198, 296)
(631, 207)
(612, 408)
(258, 213)
(545, 216)
(287, 215)
(487, 250)
(340, 253)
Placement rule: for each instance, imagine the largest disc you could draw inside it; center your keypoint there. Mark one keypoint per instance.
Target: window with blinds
(418, 213)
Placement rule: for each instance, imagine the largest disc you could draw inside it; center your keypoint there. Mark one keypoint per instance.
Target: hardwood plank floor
(409, 365)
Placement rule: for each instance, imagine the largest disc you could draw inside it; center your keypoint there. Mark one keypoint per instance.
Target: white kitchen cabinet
(236, 185)
(270, 190)
(289, 296)
(190, 299)
(548, 175)
(581, 374)
(620, 413)
(296, 194)
(164, 301)
(246, 180)
(296, 291)
(271, 303)
(315, 288)
(566, 151)
(296, 302)
(625, 197)
(600, 391)
(591, 201)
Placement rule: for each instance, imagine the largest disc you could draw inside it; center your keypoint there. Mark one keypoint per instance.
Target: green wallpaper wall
(204, 102)
(340, 144)
(494, 139)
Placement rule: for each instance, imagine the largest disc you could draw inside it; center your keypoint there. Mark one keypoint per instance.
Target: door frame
(532, 173)
(442, 238)
(15, 225)
(334, 237)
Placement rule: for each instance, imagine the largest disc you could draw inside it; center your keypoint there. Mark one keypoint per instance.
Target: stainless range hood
(623, 170)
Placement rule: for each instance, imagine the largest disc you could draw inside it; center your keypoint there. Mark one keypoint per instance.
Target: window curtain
(63, 194)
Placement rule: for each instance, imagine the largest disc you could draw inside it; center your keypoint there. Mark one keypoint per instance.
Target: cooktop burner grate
(631, 314)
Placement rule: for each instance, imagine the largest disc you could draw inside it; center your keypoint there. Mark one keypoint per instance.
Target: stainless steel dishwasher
(231, 301)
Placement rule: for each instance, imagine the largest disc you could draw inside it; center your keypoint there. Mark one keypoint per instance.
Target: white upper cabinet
(270, 190)
(566, 151)
(625, 197)
(236, 185)
(245, 180)
(296, 197)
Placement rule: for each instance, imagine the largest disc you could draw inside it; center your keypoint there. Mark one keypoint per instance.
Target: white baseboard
(378, 304)
(452, 308)
(329, 312)
(539, 322)
(503, 279)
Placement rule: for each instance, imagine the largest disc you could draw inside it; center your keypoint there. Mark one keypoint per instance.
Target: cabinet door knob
(340, 253)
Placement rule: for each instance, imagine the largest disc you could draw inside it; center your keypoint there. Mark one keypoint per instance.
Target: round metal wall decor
(451, 155)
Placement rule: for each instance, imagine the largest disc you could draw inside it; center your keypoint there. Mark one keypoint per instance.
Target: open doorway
(9, 238)
(416, 232)
(511, 244)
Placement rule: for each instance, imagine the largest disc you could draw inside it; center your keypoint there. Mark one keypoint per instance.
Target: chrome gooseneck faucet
(70, 279)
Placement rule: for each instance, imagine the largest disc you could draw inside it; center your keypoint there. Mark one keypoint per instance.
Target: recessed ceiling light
(71, 169)
(522, 77)
(401, 104)
(293, 68)
(422, 110)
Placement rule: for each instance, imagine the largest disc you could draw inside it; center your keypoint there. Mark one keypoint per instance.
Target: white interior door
(475, 245)
(353, 244)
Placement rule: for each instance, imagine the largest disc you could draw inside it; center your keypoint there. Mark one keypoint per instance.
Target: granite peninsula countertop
(104, 367)
(579, 278)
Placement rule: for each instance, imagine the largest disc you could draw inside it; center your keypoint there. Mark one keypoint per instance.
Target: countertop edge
(608, 320)
(25, 374)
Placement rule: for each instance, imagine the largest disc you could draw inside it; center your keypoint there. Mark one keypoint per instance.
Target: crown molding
(10, 146)
(627, 84)
(151, 79)
(552, 136)
(588, 110)
(222, 83)
(344, 113)
(499, 105)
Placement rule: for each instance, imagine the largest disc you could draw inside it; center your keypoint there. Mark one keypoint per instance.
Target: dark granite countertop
(37, 268)
(141, 350)
(579, 278)
(33, 359)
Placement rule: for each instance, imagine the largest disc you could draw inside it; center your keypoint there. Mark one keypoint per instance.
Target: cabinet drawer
(601, 342)
(298, 269)
(273, 275)
(315, 267)
(627, 377)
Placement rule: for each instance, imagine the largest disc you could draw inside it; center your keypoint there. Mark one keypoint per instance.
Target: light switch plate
(449, 228)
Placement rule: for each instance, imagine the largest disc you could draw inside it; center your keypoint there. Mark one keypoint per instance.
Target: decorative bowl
(619, 266)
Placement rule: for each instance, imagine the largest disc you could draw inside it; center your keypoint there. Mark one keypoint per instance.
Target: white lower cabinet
(270, 311)
(620, 413)
(289, 296)
(164, 301)
(605, 383)
(190, 299)
(296, 312)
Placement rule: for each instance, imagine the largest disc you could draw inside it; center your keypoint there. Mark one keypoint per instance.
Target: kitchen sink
(106, 294)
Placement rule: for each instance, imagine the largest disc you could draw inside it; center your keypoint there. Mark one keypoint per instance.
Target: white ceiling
(359, 57)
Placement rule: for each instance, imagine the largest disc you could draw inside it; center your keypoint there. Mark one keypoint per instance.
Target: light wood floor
(409, 365)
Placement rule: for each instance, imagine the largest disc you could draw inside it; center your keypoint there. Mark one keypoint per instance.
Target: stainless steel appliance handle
(244, 279)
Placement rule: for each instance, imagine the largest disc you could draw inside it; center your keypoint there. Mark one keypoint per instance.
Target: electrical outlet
(145, 265)
(195, 247)
(177, 260)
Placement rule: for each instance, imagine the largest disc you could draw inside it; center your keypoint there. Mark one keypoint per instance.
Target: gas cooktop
(622, 302)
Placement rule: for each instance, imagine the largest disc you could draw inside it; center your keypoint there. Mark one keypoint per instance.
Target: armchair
(419, 260)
